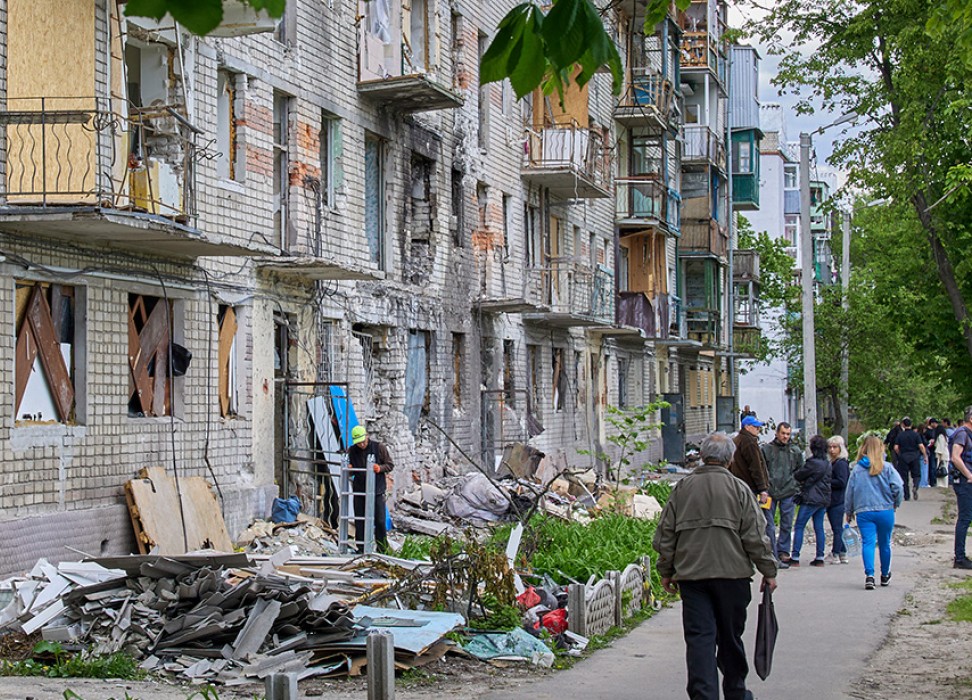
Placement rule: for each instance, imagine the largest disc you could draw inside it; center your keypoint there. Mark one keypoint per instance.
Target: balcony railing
(745, 265)
(745, 191)
(571, 160)
(572, 291)
(702, 51)
(647, 99)
(705, 237)
(703, 325)
(703, 145)
(642, 200)
(78, 151)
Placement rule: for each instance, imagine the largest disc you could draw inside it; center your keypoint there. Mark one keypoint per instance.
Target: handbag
(941, 471)
(767, 628)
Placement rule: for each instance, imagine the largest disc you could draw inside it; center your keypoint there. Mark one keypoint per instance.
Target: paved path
(829, 626)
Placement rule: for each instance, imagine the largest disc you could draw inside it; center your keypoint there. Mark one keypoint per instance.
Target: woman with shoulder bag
(814, 478)
(874, 491)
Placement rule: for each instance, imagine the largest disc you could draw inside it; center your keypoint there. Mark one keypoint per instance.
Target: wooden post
(577, 608)
(381, 666)
(281, 686)
(614, 578)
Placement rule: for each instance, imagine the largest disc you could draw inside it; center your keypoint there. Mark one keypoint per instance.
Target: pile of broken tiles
(212, 618)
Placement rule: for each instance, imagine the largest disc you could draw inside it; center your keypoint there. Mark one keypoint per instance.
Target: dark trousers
(381, 536)
(713, 622)
(932, 468)
(909, 465)
(835, 514)
(963, 492)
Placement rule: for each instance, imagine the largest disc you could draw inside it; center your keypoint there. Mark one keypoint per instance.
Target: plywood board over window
(44, 364)
(226, 357)
(149, 336)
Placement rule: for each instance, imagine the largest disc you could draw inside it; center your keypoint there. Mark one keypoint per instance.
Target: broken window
(368, 353)
(622, 382)
(507, 199)
(531, 230)
(458, 361)
(45, 358)
(417, 398)
(533, 378)
(375, 199)
(329, 145)
(559, 380)
(482, 202)
(227, 361)
(149, 337)
(281, 169)
(458, 205)
(226, 165)
(483, 102)
(419, 215)
(578, 369)
(509, 373)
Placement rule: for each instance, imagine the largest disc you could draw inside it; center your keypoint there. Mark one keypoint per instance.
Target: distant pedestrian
(747, 462)
(783, 459)
(949, 428)
(839, 474)
(710, 535)
(890, 439)
(910, 449)
(813, 499)
(381, 463)
(932, 432)
(873, 492)
(961, 477)
(746, 411)
(942, 458)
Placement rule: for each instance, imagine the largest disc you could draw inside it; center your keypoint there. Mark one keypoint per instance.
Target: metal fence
(569, 147)
(565, 286)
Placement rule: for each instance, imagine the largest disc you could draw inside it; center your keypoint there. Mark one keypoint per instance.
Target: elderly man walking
(710, 535)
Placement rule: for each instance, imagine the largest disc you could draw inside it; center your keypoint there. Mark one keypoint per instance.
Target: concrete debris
(307, 536)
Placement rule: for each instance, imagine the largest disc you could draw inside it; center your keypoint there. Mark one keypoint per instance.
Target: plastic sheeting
(517, 645)
(477, 498)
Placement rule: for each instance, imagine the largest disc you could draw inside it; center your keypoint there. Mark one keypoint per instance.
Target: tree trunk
(946, 273)
(839, 417)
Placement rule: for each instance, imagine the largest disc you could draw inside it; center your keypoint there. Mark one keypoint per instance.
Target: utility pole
(807, 280)
(845, 305)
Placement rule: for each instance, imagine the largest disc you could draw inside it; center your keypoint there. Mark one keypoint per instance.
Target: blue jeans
(835, 514)
(963, 492)
(804, 515)
(876, 527)
(781, 543)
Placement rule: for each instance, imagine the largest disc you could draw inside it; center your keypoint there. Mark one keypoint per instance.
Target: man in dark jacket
(748, 463)
(910, 449)
(782, 458)
(365, 454)
(709, 537)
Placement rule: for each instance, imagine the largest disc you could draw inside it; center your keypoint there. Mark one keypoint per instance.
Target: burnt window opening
(227, 165)
(458, 206)
(533, 379)
(285, 346)
(419, 217)
(482, 203)
(458, 362)
(559, 381)
(229, 396)
(509, 373)
(578, 372)
(507, 202)
(150, 327)
(282, 111)
(623, 393)
(44, 364)
(374, 167)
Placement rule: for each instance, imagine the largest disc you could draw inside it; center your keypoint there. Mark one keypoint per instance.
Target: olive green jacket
(712, 527)
(781, 462)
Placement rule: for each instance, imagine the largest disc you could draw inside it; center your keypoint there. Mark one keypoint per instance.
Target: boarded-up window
(226, 356)
(149, 336)
(44, 364)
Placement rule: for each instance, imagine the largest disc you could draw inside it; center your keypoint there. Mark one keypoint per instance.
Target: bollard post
(614, 578)
(381, 666)
(281, 686)
(577, 608)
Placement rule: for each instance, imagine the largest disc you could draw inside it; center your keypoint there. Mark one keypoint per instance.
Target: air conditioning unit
(240, 19)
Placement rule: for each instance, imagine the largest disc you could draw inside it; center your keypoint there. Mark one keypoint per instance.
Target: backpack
(966, 454)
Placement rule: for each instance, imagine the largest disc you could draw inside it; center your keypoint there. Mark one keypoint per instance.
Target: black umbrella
(766, 630)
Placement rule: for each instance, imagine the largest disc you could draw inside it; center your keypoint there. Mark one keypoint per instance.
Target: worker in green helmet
(361, 449)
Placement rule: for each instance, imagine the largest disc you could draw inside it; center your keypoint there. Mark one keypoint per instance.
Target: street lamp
(806, 279)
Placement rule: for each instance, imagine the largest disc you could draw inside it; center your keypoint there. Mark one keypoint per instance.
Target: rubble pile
(220, 618)
(308, 536)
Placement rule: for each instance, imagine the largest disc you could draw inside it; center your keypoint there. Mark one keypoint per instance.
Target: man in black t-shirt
(960, 449)
(890, 438)
(910, 449)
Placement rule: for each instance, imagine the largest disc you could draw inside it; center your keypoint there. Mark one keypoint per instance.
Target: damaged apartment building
(214, 250)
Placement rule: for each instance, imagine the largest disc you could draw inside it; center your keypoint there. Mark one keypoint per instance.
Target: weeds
(51, 660)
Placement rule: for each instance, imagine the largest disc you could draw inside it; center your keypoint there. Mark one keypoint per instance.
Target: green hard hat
(358, 434)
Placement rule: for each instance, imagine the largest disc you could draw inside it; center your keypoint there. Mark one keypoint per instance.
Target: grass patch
(948, 514)
(51, 660)
(960, 609)
(413, 677)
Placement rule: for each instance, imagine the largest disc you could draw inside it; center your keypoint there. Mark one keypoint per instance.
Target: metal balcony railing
(567, 287)
(703, 325)
(569, 147)
(648, 95)
(702, 144)
(79, 151)
(648, 199)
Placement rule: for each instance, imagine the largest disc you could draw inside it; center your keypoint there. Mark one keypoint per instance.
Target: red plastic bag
(528, 598)
(555, 621)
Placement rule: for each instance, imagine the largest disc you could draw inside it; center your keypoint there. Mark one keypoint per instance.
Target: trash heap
(221, 618)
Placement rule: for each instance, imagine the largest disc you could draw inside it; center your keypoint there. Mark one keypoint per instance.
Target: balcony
(77, 170)
(569, 160)
(646, 201)
(571, 293)
(703, 146)
(653, 317)
(747, 342)
(745, 191)
(646, 101)
(398, 58)
(704, 238)
(704, 326)
(745, 266)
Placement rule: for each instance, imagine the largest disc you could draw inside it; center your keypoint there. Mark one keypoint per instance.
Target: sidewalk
(829, 627)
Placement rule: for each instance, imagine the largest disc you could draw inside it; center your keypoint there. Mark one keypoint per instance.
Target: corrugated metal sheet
(791, 202)
(744, 88)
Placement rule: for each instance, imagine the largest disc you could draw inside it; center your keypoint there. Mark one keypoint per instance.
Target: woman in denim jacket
(874, 491)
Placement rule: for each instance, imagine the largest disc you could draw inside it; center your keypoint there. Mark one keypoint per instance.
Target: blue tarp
(343, 413)
(432, 626)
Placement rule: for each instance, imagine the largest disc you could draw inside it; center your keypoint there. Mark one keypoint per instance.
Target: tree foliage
(198, 16)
